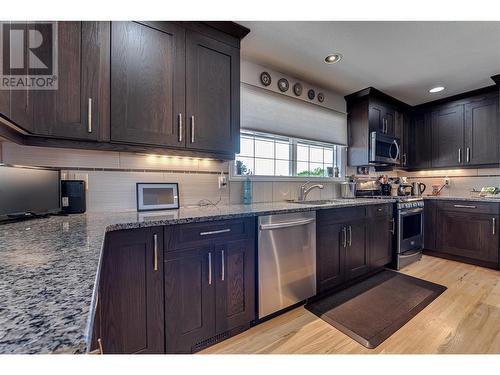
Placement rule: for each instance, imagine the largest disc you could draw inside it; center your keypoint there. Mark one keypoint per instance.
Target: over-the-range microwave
(384, 149)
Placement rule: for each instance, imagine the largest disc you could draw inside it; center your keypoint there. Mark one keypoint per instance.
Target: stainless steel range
(408, 223)
(408, 230)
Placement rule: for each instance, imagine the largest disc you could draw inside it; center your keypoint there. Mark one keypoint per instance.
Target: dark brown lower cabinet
(469, 235)
(356, 250)
(189, 298)
(380, 241)
(330, 259)
(430, 224)
(130, 301)
(348, 249)
(209, 289)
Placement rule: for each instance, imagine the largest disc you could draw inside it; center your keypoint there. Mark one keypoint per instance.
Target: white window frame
(340, 154)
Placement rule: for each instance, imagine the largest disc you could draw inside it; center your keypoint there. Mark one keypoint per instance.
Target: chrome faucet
(304, 190)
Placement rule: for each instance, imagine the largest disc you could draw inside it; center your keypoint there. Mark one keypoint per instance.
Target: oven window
(412, 226)
(156, 196)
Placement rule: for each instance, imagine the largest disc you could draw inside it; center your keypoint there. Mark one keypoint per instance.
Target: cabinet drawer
(379, 210)
(470, 206)
(187, 235)
(340, 215)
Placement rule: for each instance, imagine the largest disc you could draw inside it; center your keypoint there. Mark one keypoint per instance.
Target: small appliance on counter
(348, 188)
(73, 196)
(417, 189)
(155, 196)
(28, 192)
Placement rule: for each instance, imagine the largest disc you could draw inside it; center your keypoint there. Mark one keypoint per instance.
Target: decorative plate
(297, 89)
(283, 84)
(311, 94)
(321, 97)
(265, 78)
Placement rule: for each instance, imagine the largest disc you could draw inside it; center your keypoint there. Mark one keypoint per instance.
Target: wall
(112, 176)
(462, 181)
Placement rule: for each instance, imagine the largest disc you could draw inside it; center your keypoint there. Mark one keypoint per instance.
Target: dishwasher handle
(287, 224)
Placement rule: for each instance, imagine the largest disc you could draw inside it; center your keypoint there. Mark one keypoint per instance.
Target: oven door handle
(411, 211)
(412, 254)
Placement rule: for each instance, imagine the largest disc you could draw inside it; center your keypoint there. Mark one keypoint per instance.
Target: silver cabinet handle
(350, 236)
(393, 229)
(210, 268)
(287, 224)
(89, 116)
(180, 126)
(344, 233)
(463, 206)
(192, 129)
(99, 342)
(467, 156)
(494, 222)
(215, 232)
(404, 159)
(155, 240)
(459, 156)
(223, 266)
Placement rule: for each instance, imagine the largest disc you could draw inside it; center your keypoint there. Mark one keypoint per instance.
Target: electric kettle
(417, 189)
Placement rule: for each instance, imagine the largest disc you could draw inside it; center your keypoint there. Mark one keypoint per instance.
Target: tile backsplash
(112, 176)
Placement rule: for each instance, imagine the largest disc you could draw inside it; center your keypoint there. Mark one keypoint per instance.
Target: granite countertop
(471, 199)
(49, 269)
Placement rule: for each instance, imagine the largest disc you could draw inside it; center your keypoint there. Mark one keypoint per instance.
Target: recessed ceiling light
(333, 58)
(436, 89)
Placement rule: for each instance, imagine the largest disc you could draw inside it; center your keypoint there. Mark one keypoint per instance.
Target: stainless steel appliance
(409, 231)
(417, 189)
(286, 260)
(384, 149)
(348, 189)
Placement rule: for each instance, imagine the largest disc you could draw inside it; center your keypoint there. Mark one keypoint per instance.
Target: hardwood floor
(464, 319)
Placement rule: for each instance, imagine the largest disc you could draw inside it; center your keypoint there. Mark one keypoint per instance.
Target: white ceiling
(403, 59)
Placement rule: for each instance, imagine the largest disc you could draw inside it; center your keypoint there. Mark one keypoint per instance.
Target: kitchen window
(269, 155)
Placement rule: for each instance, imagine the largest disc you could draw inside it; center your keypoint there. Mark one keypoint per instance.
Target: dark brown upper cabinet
(136, 86)
(448, 136)
(482, 126)
(78, 107)
(370, 110)
(212, 94)
(419, 142)
(148, 83)
(130, 300)
(381, 117)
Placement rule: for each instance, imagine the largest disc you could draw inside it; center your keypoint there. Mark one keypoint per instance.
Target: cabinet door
(482, 132)
(389, 118)
(380, 241)
(73, 110)
(235, 284)
(376, 114)
(357, 257)
(212, 94)
(430, 225)
(330, 255)
(189, 298)
(147, 83)
(474, 236)
(419, 145)
(448, 136)
(131, 292)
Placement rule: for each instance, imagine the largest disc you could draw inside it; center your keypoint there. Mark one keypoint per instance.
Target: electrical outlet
(447, 181)
(222, 181)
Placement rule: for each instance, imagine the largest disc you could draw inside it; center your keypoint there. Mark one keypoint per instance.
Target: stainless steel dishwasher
(286, 260)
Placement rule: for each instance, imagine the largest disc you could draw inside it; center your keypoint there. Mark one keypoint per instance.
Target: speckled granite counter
(49, 268)
(471, 199)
